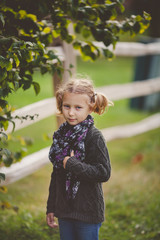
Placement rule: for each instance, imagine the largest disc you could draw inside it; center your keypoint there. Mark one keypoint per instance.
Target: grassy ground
(133, 192)
(131, 195)
(104, 72)
(22, 98)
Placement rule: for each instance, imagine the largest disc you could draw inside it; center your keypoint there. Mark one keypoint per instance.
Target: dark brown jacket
(88, 205)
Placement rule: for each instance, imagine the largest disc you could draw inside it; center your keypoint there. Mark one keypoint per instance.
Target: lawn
(132, 195)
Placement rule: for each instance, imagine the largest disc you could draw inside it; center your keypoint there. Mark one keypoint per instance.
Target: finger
(50, 221)
(52, 224)
(55, 225)
(72, 153)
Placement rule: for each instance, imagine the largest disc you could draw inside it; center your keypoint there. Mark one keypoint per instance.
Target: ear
(91, 107)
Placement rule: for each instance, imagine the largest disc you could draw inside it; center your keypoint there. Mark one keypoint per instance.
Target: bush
(24, 226)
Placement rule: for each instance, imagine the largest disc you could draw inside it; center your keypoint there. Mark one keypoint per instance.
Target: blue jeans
(77, 230)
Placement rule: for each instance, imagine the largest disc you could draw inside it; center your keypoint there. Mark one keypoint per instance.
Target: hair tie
(93, 97)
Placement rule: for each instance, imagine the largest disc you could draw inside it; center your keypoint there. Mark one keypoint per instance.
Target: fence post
(147, 67)
(69, 60)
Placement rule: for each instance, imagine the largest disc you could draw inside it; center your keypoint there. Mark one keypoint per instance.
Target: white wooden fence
(133, 49)
(47, 107)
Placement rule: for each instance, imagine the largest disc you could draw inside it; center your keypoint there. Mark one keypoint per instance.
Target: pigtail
(98, 101)
(101, 103)
(59, 100)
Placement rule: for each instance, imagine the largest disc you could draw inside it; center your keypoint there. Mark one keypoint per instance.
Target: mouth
(71, 120)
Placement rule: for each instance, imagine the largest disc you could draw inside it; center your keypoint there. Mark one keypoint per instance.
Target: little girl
(81, 163)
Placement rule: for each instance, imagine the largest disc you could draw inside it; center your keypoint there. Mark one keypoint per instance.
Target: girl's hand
(66, 159)
(50, 220)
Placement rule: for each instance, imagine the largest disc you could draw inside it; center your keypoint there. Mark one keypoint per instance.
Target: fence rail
(33, 162)
(125, 49)
(47, 107)
(133, 49)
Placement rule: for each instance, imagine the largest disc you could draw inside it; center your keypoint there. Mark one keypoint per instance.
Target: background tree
(27, 27)
(152, 7)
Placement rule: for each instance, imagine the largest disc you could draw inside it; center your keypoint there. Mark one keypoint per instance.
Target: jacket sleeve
(97, 168)
(52, 192)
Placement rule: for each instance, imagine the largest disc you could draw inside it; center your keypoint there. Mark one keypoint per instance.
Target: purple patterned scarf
(66, 139)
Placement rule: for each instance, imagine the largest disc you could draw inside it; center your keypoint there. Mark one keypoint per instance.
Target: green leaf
(15, 208)
(120, 5)
(26, 84)
(5, 63)
(2, 19)
(147, 16)
(78, 27)
(44, 70)
(40, 45)
(46, 30)
(86, 32)
(29, 56)
(3, 103)
(16, 59)
(69, 38)
(22, 14)
(5, 205)
(8, 161)
(46, 137)
(114, 14)
(17, 156)
(17, 77)
(9, 65)
(136, 27)
(71, 65)
(32, 16)
(3, 189)
(3, 74)
(6, 152)
(2, 176)
(76, 44)
(86, 50)
(107, 53)
(16, 85)
(5, 91)
(2, 62)
(36, 87)
(4, 135)
(55, 34)
(29, 44)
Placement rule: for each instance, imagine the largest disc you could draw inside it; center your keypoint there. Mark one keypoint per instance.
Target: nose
(71, 112)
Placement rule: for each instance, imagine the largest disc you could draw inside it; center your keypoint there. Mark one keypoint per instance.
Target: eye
(78, 107)
(66, 106)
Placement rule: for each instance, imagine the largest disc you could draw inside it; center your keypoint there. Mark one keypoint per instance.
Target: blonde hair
(98, 101)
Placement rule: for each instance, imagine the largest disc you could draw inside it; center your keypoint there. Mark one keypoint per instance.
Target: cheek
(63, 110)
(91, 106)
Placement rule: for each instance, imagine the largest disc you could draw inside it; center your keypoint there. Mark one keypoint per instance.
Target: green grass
(131, 195)
(104, 72)
(21, 98)
(38, 133)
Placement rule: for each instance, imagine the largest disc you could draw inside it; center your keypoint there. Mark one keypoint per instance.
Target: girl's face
(75, 107)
